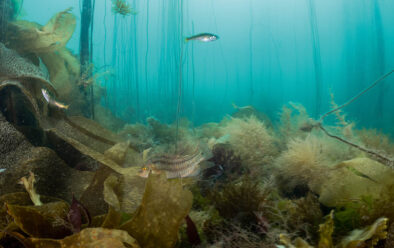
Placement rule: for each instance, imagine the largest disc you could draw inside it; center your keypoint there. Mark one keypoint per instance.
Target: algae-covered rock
(55, 177)
(19, 157)
(12, 145)
(354, 179)
(41, 221)
(13, 66)
(89, 238)
(164, 206)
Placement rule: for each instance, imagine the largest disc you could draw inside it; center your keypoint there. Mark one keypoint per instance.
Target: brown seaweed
(89, 238)
(164, 206)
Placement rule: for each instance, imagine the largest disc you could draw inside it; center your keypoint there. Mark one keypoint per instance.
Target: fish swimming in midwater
(174, 166)
(203, 37)
(248, 107)
(52, 101)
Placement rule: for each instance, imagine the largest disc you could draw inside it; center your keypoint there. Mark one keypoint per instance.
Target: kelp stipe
(319, 125)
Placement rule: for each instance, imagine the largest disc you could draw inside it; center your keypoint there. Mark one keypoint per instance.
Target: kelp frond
(122, 7)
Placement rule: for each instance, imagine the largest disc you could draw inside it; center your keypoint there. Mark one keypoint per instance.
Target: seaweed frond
(28, 183)
(303, 163)
(122, 7)
(251, 140)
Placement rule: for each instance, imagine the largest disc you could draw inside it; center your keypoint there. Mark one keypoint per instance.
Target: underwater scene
(197, 123)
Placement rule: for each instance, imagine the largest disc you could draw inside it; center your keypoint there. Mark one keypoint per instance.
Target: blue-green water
(248, 158)
(270, 52)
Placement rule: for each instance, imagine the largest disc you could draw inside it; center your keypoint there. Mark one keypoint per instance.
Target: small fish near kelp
(203, 37)
(52, 101)
(174, 166)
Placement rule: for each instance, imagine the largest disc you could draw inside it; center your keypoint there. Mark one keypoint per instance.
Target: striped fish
(174, 166)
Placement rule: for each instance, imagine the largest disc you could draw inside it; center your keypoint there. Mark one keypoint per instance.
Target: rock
(19, 157)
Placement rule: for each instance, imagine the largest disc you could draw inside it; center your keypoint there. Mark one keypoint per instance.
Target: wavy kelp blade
(40, 221)
(61, 27)
(90, 238)
(33, 38)
(164, 206)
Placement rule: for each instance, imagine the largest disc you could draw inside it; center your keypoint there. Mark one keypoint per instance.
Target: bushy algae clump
(251, 140)
(122, 7)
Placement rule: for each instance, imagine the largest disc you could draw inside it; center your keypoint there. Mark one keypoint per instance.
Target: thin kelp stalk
(193, 81)
(307, 127)
(113, 61)
(180, 89)
(380, 55)
(316, 56)
(3, 20)
(136, 77)
(146, 55)
(222, 55)
(251, 52)
(105, 48)
(85, 45)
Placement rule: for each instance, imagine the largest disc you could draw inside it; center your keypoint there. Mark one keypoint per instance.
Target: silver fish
(52, 101)
(203, 37)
